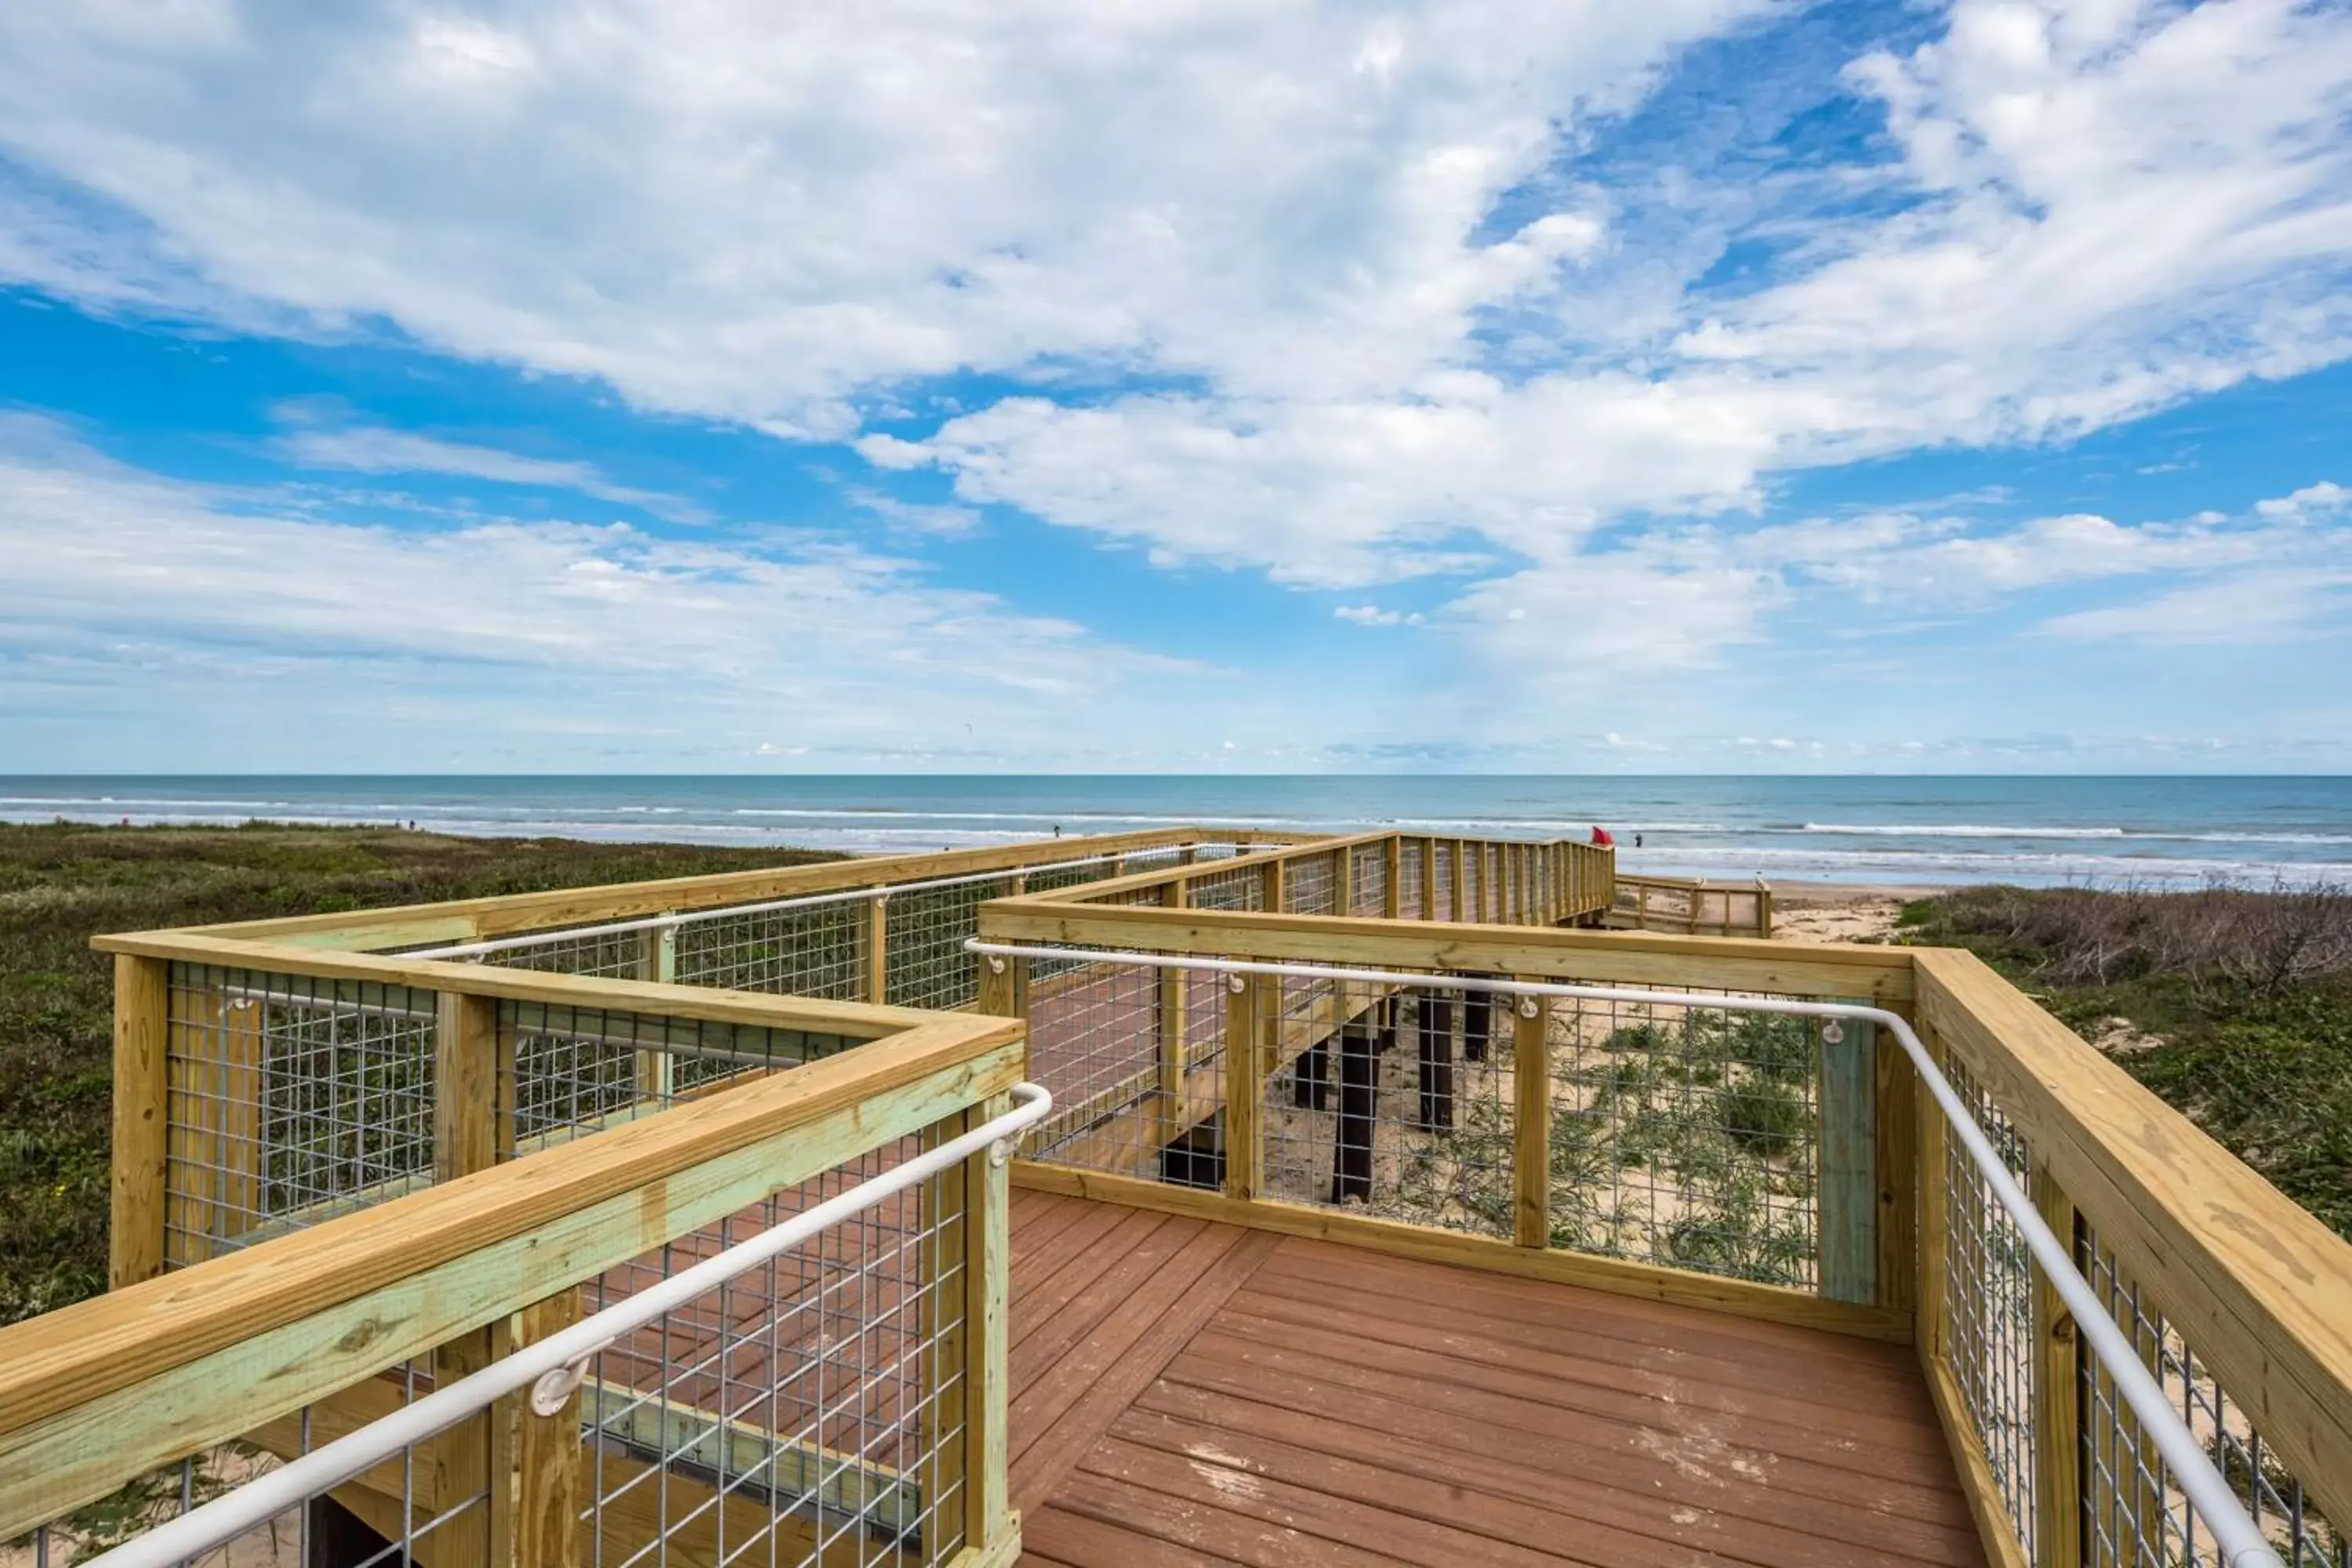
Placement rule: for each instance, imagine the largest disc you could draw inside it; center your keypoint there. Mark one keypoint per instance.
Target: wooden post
(1311, 1077)
(1343, 881)
(475, 1457)
(1531, 1121)
(658, 962)
(990, 1524)
(548, 1455)
(1429, 878)
(877, 948)
(1931, 1246)
(1849, 1162)
(1477, 1024)
(1433, 1021)
(1004, 987)
(142, 1004)
(1175, 1000)
(1250, 1002)
(2057, 1417)
(1270, 887)
(238, 1200)
(1357, 1133)
(1392, 857)
(1897, 1158)
(1458, 892)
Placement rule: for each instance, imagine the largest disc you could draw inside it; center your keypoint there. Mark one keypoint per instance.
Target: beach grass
(60, 884)
(2233, 1005)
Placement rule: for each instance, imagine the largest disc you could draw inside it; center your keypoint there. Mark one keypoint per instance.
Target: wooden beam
(2057, 1415)
(987, 1517)
(1997, 1531)
(142, 1004)
(1848, 1162)
(1249, 1008)
(549, 1459)
(877, 948)
(2251, 1279)
(1652, 1282)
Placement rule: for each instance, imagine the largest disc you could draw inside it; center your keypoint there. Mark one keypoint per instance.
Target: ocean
(1876, 830)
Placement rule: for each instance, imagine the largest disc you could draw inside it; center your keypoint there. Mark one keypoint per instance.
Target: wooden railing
(267, 1279)
(2241, 1302)
(1688, 907)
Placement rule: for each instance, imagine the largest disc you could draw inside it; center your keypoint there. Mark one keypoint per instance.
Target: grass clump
(2233, 1005)
(62, 883)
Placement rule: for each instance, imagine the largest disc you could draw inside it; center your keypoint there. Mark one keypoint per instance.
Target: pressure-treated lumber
(142, 1010)
(989, 1518)
(2056, 1397)
(1848, 1163)
(549, 1459)
(1532, 1121)
(105, 1389)
(2254, 1283)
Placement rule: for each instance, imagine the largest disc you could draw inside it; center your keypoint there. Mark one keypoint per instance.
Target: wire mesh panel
(1131, 1053)
(1236, 887)
(613, 955)
(1987, 1330)
(808, 950)
(810, 1410)
(1309, 885)
(1368, 879)
(1396, 1103)
(567, 1071)
(1413, 874)
(2134, 1516)
(1685, 1135)
(924, 962)
(290, 1099)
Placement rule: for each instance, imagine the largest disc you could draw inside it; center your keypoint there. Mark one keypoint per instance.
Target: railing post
(1848, 1162)
(1393, 857)
(656, 960)
(475, 1457)
(1270, 887)
(2057, 1429)
(1931, 1247)
(141, 1119)
(1531, 1121)
(990, 1524)
(1248, 1013)
(1429, 878)
(1457, 895)
(549, 1455)
(1004, 987)
(877, 948)
(1343, 881)
(1175, 1001)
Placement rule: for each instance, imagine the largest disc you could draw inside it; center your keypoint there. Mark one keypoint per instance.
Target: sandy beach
(1833, 912)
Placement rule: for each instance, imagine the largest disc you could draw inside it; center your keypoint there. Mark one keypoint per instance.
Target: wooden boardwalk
(1187, 1392)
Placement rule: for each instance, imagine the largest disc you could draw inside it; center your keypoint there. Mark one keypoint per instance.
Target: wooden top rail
(98, 1391)
(1287, 848)
(475, 920)
(1879, 974)
(2261, 1289)
(853, 1020)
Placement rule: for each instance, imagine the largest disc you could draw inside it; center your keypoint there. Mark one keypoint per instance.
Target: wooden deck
(1186, 1392)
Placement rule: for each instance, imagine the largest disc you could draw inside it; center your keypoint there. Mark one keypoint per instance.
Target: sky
(666, 386)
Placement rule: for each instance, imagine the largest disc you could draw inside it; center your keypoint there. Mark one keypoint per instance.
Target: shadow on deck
(1187, 1392)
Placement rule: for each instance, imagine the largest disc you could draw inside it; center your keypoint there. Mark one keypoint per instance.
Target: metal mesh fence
(1132, 1055)
(1368, 879)
(1988, 1328)
(1309, 885)
(290, 1099)
(818, 949)
(1236, 887)
(2133, 1514)
(924, 963)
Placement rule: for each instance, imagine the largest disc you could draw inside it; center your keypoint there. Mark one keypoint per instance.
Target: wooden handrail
(94, 1393)
(2260, 1287)
(468, 920)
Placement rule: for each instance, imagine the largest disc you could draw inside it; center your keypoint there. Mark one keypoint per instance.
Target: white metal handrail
(2243, 1543)
(806, 901)
(550, 1367)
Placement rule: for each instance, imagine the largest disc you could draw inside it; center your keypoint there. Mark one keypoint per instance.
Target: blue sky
(1702, 385)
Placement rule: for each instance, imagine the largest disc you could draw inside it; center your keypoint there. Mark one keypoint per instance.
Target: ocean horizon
(1869, 829)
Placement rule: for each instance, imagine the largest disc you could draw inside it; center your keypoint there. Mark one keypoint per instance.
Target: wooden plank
(657, 962)
(2255, 1284)
(1648, 1281)
(467, 920)
(877, 948)
(1848, 1162)
(106, 1388)
(140, 1120)
(473, 1462)
(2055, 1399)
(1897, 1158)
(1530, 1121)
(1730, 963)
(549, 1482)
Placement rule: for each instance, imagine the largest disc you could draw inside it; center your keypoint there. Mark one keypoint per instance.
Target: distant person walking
(1637, 841)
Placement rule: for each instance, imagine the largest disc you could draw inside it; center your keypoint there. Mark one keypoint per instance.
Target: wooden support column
(1897, 1154)
(1531, 1121)
(1004, 986)
(238, 1196)
(877, 948)
(658, 962)
(142, 1002)
(1849, 1162)
(1429, 878)
(2057, 1415)
(1270, 887)
(1392, 854)
(1433, 1021)
(1457, 890)
(1477, 1024)
(990, 1524)
(473, 1458)
(1251, 1001)
(1343, 881)
(1175, 1001)
(1311, 1078)
(1354, 1141)
(1930, 1248)
(549, 1455)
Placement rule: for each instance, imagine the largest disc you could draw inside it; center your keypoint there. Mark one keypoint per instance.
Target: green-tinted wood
(1849, 1163)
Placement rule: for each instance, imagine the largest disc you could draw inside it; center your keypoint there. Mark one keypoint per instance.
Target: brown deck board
(1187, 1392)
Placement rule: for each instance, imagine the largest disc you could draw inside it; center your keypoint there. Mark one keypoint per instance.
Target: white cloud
(2250, 607)
(374, 450)
(936, 522)
(1373, 616)
(542, 623)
